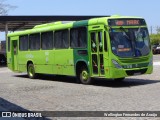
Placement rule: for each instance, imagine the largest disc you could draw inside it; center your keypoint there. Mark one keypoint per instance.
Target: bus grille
(138, 65)
(134, 72)
(135, 60)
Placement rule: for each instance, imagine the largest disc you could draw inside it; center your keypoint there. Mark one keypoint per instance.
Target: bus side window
(74, 38)
(105, 41)
(61, 39)
(8, 44)
(34, 41)
(15, 47)
(93, 42)
(78, 37)
(100, 41)
(47, 40)
(23, 43)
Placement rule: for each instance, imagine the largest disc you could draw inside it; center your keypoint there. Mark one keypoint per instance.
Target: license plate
(137, 73)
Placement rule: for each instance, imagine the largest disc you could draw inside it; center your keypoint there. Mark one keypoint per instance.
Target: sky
(148, 9)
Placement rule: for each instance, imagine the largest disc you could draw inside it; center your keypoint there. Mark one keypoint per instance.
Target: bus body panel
(64, 62)
(48, 61)
(98, 55)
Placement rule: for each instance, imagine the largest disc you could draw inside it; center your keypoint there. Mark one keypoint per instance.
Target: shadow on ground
(128, 82)
(6, 106)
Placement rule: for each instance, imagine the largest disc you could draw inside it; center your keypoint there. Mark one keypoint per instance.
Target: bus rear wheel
(31, 71)
(84, 76)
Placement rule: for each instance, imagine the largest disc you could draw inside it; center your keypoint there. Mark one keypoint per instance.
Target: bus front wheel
(31, 71)
(84, 76)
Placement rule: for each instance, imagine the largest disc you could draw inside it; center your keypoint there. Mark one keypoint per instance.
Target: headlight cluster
(116, 64)
(151, 62)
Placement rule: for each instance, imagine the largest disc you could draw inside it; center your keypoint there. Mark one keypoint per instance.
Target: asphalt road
(156, 58)
(59, 93)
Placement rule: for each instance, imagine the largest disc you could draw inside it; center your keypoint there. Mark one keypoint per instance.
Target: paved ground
(58, 93)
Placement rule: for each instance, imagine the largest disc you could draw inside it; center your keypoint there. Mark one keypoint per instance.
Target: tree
(158, 29)
(4, 7)
(155, 38)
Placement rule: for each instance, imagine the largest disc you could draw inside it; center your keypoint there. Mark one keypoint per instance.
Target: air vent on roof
(48, 24)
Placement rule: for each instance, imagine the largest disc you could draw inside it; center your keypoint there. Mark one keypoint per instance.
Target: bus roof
(60, 25)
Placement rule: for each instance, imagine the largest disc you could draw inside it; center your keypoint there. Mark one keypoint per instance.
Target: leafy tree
(155, 38)
(4, 7)
(158, 29)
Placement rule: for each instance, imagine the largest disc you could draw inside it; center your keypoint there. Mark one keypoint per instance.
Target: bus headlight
(116, 64)
(151, 62)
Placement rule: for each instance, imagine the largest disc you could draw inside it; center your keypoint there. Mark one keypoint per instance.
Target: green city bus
(112, 47)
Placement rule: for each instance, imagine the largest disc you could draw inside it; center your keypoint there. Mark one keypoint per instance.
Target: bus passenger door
(14, 54)
(96, 44)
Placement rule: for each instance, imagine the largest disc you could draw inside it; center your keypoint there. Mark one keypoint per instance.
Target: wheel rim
(85, 75)
(31, 71)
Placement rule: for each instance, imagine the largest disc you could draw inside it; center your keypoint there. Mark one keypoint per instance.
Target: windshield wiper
(124, 33)
(131, 38)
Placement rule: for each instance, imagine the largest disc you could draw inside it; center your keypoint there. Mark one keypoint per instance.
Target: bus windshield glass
(130, 42)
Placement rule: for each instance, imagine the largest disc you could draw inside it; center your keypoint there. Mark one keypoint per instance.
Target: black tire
(119, 79)
(31, 71)
(83, 76)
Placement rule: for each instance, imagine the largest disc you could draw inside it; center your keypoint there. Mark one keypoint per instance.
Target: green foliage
(155, 38)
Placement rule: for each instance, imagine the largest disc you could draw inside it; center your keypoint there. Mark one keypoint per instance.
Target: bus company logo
(47, 59)
(46, 53)
(29, 56)
(6, 114)
(21, 115)
(119, 22)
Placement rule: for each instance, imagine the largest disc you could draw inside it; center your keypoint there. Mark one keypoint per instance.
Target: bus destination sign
(126, 22)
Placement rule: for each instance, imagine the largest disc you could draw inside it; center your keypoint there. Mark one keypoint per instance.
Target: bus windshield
(130, 42)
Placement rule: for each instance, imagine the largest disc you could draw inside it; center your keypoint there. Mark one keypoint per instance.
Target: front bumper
(120, 73)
